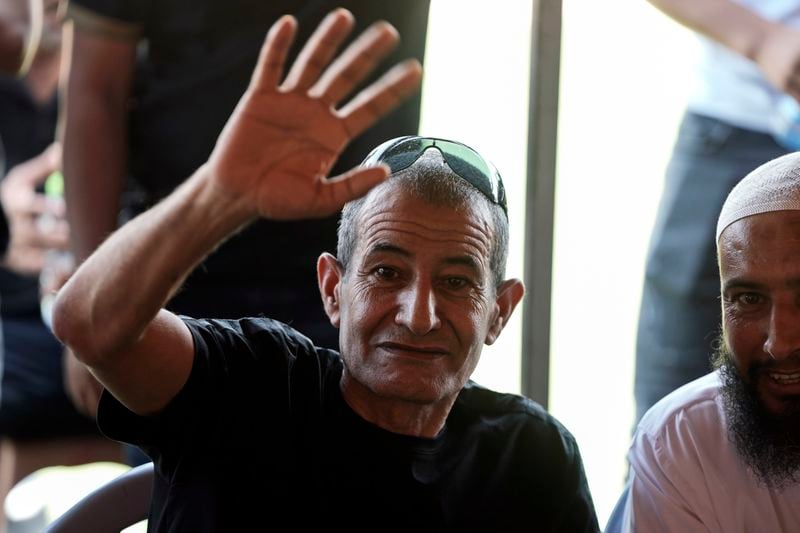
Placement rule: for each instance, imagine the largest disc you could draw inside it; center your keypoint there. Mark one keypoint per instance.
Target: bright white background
(623, 87)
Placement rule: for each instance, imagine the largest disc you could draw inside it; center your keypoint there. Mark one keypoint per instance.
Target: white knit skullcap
(774, 186)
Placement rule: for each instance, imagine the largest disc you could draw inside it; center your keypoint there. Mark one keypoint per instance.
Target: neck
(398, 415)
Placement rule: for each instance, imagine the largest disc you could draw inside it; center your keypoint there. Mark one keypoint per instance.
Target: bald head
(774, 186)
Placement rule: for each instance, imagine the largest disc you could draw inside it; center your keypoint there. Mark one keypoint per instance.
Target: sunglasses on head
(466, 163)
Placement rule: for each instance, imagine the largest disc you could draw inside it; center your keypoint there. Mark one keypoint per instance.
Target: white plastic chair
(120, 503)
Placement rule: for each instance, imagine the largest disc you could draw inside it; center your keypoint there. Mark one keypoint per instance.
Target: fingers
(353, 184)
(319, 50)
(356, 62)
(272, 58)
(35, 171)
(381, 97)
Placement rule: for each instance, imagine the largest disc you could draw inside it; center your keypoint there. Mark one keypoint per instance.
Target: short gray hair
(431, 180)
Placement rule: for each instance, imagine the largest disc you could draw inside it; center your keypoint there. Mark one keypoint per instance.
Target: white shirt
(730, 87)
(686, 476)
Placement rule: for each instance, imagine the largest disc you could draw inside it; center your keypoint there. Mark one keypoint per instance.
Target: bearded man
(722, 453)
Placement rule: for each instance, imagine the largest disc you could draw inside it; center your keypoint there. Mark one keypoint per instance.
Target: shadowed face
(760, 358)
(760, 273)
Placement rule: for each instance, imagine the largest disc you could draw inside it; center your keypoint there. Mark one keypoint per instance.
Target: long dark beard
(768, 442)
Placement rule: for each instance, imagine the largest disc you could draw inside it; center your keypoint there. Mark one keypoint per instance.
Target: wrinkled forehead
(392, 210)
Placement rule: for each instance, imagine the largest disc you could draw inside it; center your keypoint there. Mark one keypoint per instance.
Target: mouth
(428, 351)
(782, 383)
(785, 378)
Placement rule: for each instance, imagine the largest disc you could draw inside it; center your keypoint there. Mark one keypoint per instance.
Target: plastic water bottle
(786, 122)
(57, 263)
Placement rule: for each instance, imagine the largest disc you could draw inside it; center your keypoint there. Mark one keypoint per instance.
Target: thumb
(35, 171)
(353, 184)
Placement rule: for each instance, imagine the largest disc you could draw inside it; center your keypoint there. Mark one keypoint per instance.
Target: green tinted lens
(472, 167)
(400, 154)
(468, 164)
(405, 153)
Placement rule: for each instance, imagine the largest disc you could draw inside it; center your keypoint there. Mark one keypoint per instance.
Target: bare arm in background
(774, 47)
(98, 72)
(270, 161)
(93, 126)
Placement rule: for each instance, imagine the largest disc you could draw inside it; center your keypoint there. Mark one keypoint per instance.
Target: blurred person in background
(39, 425)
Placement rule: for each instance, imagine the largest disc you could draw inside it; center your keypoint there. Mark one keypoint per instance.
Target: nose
(417, 308)
(783, 337)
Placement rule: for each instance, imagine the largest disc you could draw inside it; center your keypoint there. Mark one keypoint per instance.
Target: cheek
(364, 306)
(745, 339)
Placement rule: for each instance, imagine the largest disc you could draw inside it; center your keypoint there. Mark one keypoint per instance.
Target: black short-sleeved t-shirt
(260, 436)
(195, 62)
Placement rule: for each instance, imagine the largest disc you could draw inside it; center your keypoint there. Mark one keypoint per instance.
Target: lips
(785, 378)
(781, 383)
(414, 350)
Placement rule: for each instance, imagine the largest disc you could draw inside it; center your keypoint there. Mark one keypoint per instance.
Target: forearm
(108, 303)
(93, 126)
(95, 151)
(724, 21)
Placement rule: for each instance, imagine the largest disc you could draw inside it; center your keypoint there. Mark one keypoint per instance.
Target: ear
(329, 275)
(509, 294)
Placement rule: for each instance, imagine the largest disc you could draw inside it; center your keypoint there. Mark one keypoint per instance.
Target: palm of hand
(274, 154)
(277, 153)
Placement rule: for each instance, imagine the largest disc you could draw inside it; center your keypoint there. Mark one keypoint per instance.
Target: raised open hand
(283, 138)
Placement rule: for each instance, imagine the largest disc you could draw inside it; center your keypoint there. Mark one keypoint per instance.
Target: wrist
(229, 211)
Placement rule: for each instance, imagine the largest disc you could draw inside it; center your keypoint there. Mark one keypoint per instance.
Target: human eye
(456, 283)
(385, 273)
(745, 301)
(749, 299)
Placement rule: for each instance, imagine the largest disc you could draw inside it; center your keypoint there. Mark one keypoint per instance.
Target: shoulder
(251, 330)
(254, 341)
(682, 434)
(697, 402)
(536, 457)
(500, 413)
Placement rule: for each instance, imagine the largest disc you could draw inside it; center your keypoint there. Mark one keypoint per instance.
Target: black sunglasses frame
(465, 162)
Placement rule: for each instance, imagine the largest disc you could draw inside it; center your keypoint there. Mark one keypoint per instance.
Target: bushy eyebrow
(740, 283)
(385, 247)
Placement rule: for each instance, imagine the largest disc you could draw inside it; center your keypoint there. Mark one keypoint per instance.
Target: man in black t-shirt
(151, 84)
(248, 422)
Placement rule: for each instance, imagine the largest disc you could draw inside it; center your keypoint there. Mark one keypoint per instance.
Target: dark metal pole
(540, 197)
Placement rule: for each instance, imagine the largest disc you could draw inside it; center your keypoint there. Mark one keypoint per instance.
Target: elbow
(60, 319)
(71, 330)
